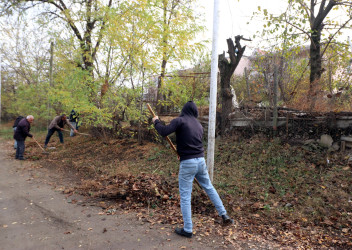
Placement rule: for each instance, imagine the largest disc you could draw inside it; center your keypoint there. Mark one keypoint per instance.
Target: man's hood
(190, 109)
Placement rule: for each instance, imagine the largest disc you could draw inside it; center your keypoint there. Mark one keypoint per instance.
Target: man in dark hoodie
(58, 125)
(189, 134)
(21, 133)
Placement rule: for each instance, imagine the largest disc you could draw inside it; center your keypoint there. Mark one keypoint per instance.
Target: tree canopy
(106, 53)
(309, 22)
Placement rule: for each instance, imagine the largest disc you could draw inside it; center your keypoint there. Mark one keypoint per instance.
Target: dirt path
(35, 214)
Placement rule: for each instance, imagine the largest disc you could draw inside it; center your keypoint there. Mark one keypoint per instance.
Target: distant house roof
(244, 63)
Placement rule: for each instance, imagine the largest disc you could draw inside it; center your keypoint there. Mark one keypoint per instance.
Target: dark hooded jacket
(22, 130)
(189, 132)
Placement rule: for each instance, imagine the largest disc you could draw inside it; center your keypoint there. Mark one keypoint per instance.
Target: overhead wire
(229, 7)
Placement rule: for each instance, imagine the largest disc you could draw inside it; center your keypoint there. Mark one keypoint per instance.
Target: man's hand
(75, 130)
(155, 118)
(61, 129)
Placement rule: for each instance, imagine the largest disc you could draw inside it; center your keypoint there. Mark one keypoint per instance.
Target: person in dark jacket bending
(57, 125)
(21, 133)
(189, 134)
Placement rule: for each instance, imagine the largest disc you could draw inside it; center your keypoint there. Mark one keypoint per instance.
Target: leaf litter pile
(278, 193)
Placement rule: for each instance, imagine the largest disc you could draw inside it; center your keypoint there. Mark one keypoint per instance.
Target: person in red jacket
(21, 133)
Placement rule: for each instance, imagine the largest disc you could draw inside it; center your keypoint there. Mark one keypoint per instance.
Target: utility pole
(0, 86)
(51, 64)
(275, 102)
(247, 84)
(350, 65)
(50, 77)
(141, 107)
(213, 91)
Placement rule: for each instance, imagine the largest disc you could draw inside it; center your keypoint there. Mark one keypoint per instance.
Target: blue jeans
(15, 144)
(74, 124)
(20, 149)
(51, 132)
(190, 169)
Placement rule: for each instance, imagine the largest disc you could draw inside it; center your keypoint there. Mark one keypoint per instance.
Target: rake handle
(166, 137)
(77, 132)
(38, 143)
(151, 110)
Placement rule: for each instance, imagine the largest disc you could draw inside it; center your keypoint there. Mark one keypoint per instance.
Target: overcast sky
(234, 16)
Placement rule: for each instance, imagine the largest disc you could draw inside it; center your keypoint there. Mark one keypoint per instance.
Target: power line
(232, 31)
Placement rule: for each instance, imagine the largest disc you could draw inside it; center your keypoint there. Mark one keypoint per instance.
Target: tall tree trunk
(166, 23)
(317, 25)
(315, 66)
(226, 70)
(280, 79)
(226, 100)
(159, 95)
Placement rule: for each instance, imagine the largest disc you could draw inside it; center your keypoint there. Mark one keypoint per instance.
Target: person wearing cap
(57, 124)
(189, 135)
(21, 133)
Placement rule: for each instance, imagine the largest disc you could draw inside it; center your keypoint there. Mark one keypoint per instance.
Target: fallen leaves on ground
(263, 214)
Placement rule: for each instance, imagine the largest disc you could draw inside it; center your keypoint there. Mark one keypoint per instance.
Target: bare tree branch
(332, 37)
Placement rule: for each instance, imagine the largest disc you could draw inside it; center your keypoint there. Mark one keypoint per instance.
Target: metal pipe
(0, 86)
(213, 91)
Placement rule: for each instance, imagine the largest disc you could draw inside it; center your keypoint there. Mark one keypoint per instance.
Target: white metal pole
(50, 78)
(0, 87)
(350, 63)
(213, 91)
